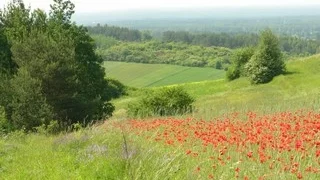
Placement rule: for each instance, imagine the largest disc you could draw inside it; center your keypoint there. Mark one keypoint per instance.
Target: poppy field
(283, 145)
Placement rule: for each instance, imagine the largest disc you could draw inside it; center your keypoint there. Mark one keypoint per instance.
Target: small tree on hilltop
(267, 61)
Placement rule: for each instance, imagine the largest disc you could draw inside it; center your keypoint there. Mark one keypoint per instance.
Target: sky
(122, 5)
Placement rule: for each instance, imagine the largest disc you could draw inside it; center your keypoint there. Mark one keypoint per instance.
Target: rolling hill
(299, 88)
(152, 75)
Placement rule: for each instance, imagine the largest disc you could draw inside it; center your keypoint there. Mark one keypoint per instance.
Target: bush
(162, 102)
(239, 58)
(218, 65)
(233, 73)
(115, 88)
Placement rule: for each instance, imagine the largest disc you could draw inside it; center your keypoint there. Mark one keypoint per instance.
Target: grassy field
(151, 75)
(260, 147)
(86, 154)
(247, 132)
(299, 88)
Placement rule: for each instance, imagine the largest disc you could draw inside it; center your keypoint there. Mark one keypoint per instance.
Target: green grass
(299, 88)
(87, 154)
(100, 152)
(152, 75)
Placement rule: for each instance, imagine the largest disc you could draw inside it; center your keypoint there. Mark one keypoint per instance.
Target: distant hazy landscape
(218, 13)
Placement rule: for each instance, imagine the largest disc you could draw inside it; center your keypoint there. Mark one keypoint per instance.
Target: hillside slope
(299, 88)
(152, 75)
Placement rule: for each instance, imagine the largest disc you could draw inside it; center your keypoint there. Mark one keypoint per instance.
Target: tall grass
(86, 154)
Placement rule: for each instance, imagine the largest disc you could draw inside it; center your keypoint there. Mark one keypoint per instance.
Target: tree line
(157, 52)
(306, 27)
(119, 33)
(292, 45)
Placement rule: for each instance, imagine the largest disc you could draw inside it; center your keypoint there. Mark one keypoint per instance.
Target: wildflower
(299, 175)
(318, 153)
(249, 154)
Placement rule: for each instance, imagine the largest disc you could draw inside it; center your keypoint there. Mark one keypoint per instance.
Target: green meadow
(106, 152)
(299, 88)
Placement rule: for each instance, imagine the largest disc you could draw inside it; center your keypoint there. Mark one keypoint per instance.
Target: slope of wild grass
(299, 88)
(272, 146)
(87, 154)
(280, 141)
(151, 75)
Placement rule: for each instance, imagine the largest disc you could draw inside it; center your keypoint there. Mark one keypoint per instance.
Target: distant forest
(307, 27)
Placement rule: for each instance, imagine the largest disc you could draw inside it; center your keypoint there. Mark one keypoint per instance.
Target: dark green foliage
(218, 65)
(67, 85)
(92, 87)
(7, 66)
(115, 88)
(267, 61)
(162, 102)
(59, 76)
(239, 58)
(28, 105)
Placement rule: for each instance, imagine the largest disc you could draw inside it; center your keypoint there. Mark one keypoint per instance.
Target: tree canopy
(60, 76)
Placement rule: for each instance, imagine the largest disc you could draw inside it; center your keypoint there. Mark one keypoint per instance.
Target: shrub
(218, 65)
(233, 73)
(162, 102)
(239, 58)
(115, 88)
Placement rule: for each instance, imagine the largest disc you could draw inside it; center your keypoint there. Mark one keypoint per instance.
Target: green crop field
(152, 75)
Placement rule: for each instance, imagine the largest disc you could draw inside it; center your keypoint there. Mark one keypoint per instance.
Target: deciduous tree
(267, 61)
